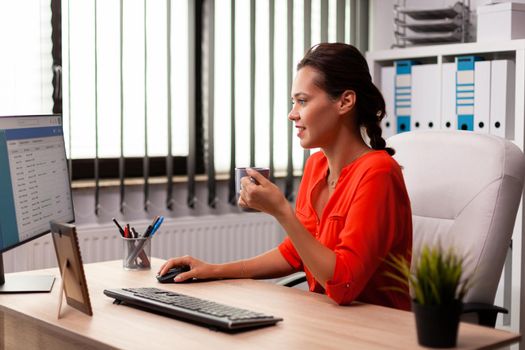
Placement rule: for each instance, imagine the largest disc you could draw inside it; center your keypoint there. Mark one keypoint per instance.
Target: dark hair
(342, 67)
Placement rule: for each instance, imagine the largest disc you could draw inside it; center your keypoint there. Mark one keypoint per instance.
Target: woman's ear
(347, 101)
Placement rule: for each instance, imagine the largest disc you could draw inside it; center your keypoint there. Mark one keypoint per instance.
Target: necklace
(331, 182)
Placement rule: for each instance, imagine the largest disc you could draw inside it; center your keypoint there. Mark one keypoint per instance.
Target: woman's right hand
(198, 269)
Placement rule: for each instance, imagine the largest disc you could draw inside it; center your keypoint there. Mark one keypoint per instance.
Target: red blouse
(367, 218)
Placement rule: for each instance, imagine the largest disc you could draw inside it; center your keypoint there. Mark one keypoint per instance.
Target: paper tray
(442, 25)
(432, 38)
(436, 13)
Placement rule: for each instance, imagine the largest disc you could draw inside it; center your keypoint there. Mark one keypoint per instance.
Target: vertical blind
(130, 88)
(130, 40)
(26, 61)
(252, 129)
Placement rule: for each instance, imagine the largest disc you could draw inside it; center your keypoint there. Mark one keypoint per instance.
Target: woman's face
(315, 114)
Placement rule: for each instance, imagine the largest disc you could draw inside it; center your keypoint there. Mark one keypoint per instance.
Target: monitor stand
(24, 284)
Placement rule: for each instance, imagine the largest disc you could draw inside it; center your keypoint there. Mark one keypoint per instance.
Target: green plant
(436, 278)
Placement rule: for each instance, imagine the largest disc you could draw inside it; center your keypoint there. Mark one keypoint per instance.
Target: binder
(481, 95)
(389, 123)
(403, 94)
(502, 98)
(425, 97)
(465, 91)
(448, 96)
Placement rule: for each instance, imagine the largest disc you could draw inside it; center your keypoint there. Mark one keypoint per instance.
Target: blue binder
(403, 94)
(465, 91)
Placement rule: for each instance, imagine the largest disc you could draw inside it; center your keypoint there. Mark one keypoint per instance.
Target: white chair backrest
(465, 189)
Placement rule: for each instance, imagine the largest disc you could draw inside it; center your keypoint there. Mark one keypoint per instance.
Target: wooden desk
(311, 321)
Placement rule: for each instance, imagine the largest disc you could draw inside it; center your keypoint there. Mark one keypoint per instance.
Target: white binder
(502, 98)
(425, 97)
(388, 124)
(448, 96)
(481, 94)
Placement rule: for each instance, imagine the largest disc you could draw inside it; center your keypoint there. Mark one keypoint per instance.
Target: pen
(157, 225)
(150, 227)
(119, 227)
(148, 231)
(130, 234)
(155, 219)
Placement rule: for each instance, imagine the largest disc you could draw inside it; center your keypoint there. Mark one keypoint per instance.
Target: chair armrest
(292, 280)
(487, 313)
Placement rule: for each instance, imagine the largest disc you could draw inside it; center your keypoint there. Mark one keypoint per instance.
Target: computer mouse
(170, 275)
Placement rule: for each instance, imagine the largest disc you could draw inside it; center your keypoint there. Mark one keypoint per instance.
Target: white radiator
(212, 238)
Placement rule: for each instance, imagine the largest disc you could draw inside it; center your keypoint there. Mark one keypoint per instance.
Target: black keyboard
(187, 308)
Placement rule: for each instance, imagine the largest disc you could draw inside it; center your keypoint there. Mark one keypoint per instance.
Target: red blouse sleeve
(368, 234)
(290, 254)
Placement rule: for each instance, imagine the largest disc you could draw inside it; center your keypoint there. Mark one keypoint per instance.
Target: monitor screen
(34, 180)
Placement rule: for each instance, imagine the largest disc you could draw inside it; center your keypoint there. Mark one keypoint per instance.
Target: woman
(352, 209)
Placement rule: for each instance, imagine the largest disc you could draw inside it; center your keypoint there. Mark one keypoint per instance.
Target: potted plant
(437, 288)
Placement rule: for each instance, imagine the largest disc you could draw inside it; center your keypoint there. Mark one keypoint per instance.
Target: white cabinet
(505, 116)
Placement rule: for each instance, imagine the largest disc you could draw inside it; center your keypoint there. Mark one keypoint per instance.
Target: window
(26, 84)
(170, 87)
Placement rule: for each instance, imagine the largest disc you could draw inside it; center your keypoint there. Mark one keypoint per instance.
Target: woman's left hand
(262, 195)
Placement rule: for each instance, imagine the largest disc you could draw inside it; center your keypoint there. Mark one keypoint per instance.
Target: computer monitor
(34, 188)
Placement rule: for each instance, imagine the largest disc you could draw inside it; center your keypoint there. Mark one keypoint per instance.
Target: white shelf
(446, 50)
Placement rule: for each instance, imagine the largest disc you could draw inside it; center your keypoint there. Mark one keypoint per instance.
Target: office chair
(464, 189)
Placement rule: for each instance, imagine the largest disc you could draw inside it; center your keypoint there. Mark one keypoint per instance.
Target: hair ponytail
(377, 142)
(371, 110)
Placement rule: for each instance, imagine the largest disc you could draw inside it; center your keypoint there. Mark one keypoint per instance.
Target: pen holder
(137, 253)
